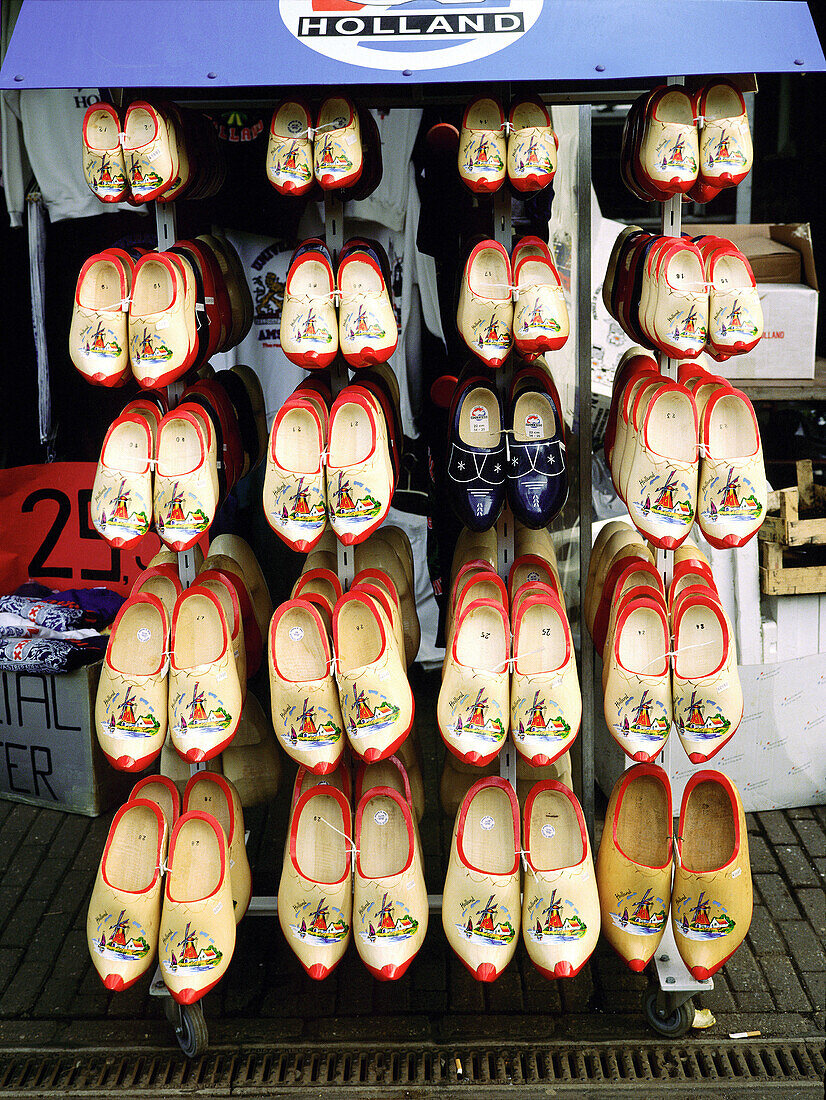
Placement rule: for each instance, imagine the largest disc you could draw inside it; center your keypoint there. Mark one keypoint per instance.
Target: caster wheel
(190, 1027)
(673, 1026)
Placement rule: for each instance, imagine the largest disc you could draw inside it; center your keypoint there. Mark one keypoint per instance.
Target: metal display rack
(667, 1005)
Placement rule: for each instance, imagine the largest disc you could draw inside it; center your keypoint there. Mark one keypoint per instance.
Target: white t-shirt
(45, 129)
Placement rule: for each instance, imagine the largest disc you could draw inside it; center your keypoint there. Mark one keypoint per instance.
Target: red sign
(46, 532)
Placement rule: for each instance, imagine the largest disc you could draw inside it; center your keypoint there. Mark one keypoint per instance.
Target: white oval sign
(400, 34)
(487, 822)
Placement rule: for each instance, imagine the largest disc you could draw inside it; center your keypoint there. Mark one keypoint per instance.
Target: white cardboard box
(787, 349)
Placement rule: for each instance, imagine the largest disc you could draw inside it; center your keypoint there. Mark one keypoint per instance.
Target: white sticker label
(548, 831)
(144, 634)
(297, 633)
(479, 419)
(487, 822)
(153, 155)
(533, 426)
(382, 817)
(737, 871)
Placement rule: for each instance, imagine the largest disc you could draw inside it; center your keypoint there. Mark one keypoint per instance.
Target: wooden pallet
(787, 528)
(793, 550)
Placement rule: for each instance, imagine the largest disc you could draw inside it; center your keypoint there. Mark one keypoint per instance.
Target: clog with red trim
(131, 702)
(359, 470)
(390, 909)
(677, 320)
(392, 772)
(367, 329)
(735, 316)
(149, 151)
(483, 147)
(104, 167)
(338, 159)
(186, 483)
(204, 692)
(121, 504)
(290, 148)
(473, 709)
(669, 152)
(540, 315)
(215, 795)
(99, 338)
(484, 316)
(383, 591)
(662, 472)
(633, 864)
(309, 326)
(637, 704)
(545, 698)
(732, 484)
(707, 696)
(161, 321)
(197, 936)
(306, 712)
(560, 901)
(532, 145)
(481, 908)
(726, 151)
(295, 486)
(712, 898)
(376, 701)
(124, 915)
(315, 895)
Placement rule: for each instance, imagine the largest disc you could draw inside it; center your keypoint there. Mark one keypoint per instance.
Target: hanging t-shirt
(47, 126)
(388, 203)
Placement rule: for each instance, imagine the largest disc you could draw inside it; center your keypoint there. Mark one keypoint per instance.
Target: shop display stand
(670, 1001)
(668, 1005)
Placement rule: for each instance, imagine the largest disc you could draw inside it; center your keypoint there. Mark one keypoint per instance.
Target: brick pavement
(50, 993)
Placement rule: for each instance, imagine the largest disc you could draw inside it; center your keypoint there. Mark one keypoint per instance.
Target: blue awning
(261, 43)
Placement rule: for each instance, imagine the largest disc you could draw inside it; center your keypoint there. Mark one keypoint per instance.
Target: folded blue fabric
(56, 616)
(48, 655)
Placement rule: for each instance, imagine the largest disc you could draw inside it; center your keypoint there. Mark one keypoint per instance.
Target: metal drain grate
(264, 1073)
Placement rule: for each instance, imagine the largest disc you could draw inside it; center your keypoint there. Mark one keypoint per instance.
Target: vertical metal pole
(583, 282)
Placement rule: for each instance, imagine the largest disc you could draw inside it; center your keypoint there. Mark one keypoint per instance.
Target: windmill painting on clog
(665, 501)
(557, 922)
(539, 726)
(730, 500)
(352, 504)
(120, 939)
(640, 913)
(489, 923)
(180, 517)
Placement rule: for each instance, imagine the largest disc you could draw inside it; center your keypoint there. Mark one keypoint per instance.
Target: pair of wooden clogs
(710, 897)
(181, 899)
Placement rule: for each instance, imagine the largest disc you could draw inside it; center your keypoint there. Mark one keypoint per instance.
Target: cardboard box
(49, 754)
(782, 260)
